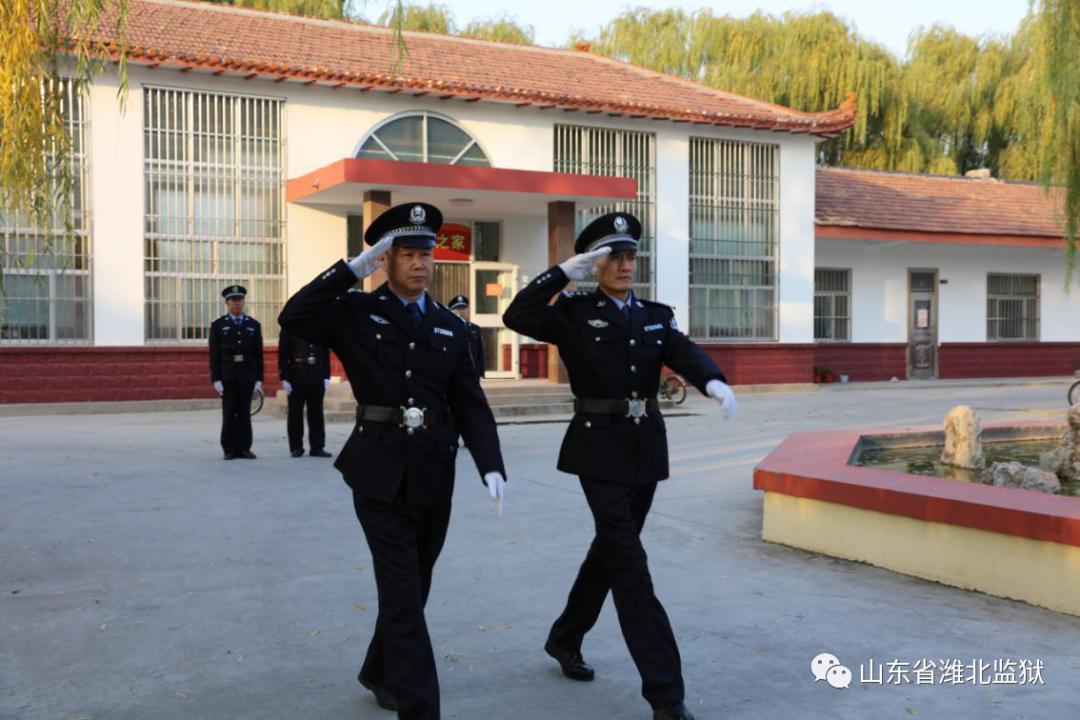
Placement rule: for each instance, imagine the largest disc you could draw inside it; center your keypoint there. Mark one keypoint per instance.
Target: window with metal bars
(586, 150)
(46, 294)
(1012, 307)
(734, 239)
(214, 216)
(832, 305)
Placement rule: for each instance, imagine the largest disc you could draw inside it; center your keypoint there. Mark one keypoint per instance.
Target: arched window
(422, 137)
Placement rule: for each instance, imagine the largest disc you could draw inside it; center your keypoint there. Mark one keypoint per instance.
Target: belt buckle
(635, 408)
(311, 360)
(238, 358)
(412, 417)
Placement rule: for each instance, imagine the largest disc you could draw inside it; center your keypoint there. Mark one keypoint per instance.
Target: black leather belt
(406, 417)
(302, 361)
(629, 407)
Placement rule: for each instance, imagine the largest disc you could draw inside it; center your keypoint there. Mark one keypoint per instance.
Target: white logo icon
(620, 223)
(827, 667)
(417, 215)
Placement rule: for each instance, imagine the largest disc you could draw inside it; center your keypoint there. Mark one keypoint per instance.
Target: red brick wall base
(37, 374)
(1007, 359)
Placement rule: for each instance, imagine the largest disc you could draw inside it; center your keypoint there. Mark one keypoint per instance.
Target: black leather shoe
(230, 456)
(247, 455)
(319, 453)
(572, 664)
(298, 452)
(675, 712)
(383, 698)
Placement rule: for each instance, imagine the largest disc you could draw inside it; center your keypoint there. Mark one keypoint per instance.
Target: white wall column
(114, 139)
(672, 252)
(796, 272)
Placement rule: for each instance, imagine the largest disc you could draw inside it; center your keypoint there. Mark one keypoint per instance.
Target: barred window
(584, 150)
(734, 239)
(832, 304)
(1012, 307)
(214, 216)
(422, 137)
(46, 294)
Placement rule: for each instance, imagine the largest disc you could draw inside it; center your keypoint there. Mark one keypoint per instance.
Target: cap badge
(417, 215)
(620, 223)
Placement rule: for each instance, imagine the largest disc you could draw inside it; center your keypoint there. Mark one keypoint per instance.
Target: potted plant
(817, 374)
(826, 374)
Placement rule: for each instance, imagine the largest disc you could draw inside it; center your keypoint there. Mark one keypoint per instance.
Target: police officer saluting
(613, 345)
(408, 363)
(236, 370)
(460, 307)
(305, 374)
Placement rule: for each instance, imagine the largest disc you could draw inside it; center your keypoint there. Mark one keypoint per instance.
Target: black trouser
(312, 397)
(405, 540)
(236, 416)
(617, 561)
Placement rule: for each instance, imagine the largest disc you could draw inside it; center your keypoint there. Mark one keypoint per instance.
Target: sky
(886, 22)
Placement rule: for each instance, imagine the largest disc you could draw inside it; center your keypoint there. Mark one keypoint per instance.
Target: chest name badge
(654, 326)
(598, 323)
(379, 319)
(444, 331)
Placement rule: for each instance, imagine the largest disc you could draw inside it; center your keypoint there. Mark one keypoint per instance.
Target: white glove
(582, 266)
(288, 387)
(258, 385)
(496, 485)
(371, 259)
(219, 387)
(723, 394)
(326, 384)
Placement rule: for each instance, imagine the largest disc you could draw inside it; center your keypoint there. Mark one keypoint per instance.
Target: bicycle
(1074, 393)
(673, 387)
(256, 402)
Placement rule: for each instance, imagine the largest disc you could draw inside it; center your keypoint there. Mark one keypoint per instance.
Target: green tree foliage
(501, 29)
(332, 9)
(425, 18)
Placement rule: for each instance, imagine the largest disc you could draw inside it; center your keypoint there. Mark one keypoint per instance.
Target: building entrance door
(922, 324)
(492, 288)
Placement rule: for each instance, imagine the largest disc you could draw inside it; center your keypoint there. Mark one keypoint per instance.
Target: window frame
(997, 298)
(425, 116)
(832, 295)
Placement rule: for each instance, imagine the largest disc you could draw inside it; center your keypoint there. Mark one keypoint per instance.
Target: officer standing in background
(407, 360)
(236, 370)
(460, 307)
(614, 345)
(305, 374)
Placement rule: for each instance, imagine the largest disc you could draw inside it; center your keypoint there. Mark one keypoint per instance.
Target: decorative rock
(1018, 475)
(1064, 460)
(963, 441)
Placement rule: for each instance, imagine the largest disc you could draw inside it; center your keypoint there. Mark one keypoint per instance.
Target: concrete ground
(143, 577)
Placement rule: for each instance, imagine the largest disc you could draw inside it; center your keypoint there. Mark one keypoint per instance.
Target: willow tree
(426, 18)
(501, 29)
(808, 61)
(46, 62)
(331, 9)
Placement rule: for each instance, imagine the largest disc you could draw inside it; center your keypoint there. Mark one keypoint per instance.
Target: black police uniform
(476, 336)
(306, 366)
(401, 469)
(236, 359)
(617, 444)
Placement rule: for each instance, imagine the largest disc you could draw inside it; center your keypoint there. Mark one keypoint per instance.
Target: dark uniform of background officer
(305, 375)
(236, 370)
(460, 307)
(408, 363)
(614, 345)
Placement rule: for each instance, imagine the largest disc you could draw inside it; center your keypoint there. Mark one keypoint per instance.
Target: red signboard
(454, 242)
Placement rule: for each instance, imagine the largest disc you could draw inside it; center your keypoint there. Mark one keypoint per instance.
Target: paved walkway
(143, 577)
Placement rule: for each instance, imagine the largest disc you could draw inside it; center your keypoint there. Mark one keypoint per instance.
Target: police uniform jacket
(388, 365)
(608, 358)
(302, 362)
(476, 346)
(236, 350)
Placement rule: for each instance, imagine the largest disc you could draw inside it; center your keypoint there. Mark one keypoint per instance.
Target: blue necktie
(415, 317)
(626, 312)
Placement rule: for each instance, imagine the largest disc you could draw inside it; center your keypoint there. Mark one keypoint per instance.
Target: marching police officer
(614, 344)
(460, 307)
(305, 374)
(236, 370)
(408, 363)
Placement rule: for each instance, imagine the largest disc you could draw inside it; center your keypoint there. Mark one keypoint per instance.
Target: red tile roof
(172, 33)
(936, 204)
